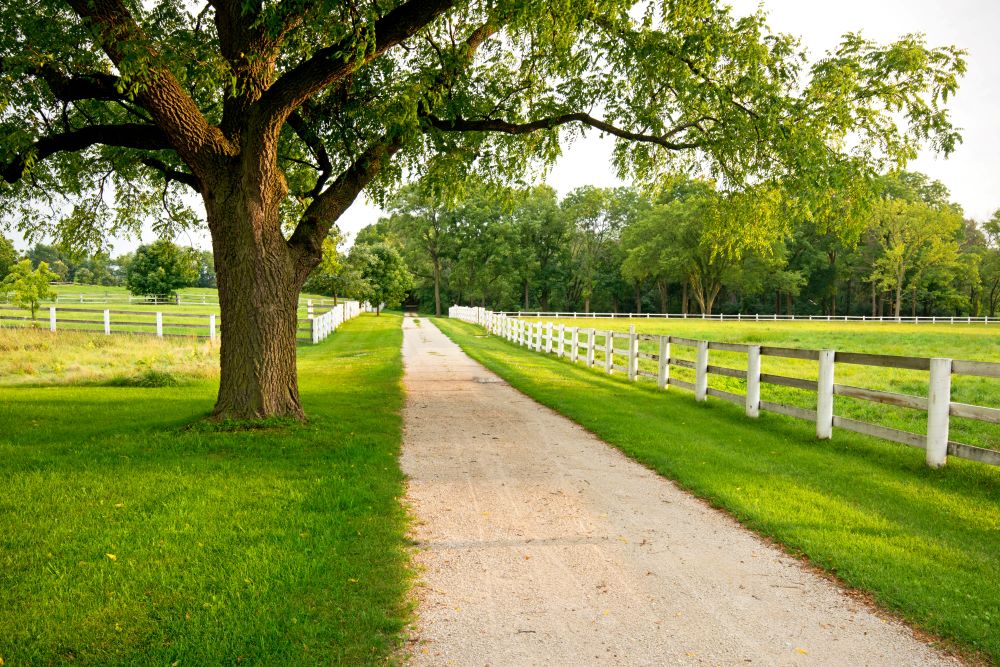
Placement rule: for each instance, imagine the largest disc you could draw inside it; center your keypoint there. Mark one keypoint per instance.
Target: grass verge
(925, 543)
(128, 538)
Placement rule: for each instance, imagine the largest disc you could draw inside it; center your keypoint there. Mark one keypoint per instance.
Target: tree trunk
(777, 302)
(899, 299)
(259, 281)
(638, 298)
(663, 287)
(526, 295)
(874, 302)
(437, 287)
(684, 298)
(586, 304)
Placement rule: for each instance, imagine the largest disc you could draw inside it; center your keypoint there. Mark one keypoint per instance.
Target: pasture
(82, 308)
(924, 543)
(132, 532)
(957, 341)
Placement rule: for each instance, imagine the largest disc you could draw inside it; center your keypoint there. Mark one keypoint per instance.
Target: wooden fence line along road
(756, 317)
(554, 339)
(317, 326)
(179, 300)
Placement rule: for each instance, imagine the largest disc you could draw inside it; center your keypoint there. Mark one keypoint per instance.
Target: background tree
(159, 269)
(28, 286)
(385, 280)
(204, 266)
(8, 256)
(279, 114)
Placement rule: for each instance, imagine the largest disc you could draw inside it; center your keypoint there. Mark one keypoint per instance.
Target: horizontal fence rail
(317, 326)
(152, 300)
(931, 319)
(622, 354)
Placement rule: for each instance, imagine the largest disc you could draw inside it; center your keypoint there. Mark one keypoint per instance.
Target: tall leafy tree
(160, 269)
(385, 279)
(8, 256)
(29, 286)
(279, 114)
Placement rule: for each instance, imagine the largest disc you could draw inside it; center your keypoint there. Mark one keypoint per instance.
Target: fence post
(107, 322)
(548, 338)
(701, 372)
(609, 352)
(663, 372)
(590, 347)
(211, 326)
(753, 381)
(575, 341)
(313, 331)
(159, 325)
(538, 337)
(824, 395)
(52, 318)
(633, 353)
(938, 408)
(560, 341)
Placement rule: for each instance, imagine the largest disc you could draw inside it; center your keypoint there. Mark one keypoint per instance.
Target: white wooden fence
(317, 327)
(321, 326)
(756, 317)
(584, 342)
(180, 299)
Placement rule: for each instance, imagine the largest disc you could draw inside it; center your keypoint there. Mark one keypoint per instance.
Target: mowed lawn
(973, 342)
(130, 534)
(925, 543)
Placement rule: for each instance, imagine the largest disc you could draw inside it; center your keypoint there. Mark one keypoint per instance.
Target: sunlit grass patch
(129, 534)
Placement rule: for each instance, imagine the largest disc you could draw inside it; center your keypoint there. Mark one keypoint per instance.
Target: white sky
(972, 173)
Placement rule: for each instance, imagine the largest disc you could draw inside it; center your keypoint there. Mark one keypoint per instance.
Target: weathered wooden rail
(581, 343)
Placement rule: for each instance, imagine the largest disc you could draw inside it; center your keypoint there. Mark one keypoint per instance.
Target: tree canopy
(280, 113)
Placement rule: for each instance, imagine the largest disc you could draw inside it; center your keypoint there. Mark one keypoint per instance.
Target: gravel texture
(539, 544)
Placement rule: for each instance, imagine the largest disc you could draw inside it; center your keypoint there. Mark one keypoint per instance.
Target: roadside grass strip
(133, 533)
(924, 543)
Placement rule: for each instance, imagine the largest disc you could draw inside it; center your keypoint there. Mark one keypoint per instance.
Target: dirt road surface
(541, 545)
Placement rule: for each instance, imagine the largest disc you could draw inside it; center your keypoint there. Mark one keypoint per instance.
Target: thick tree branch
(170, 173)
(71, 87)
(307, 239)
(315, 144)
(125, 135)
(495, 125)
(332, 63)
(157, 89)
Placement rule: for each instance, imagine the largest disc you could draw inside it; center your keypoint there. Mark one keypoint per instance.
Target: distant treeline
(181, 267)
(901, 248)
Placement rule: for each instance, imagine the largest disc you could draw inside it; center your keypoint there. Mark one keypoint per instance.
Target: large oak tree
(280, 113)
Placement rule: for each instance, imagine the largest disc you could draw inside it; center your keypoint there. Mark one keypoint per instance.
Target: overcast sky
(972, 173)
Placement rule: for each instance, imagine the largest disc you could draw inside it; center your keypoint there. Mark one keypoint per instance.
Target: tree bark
(684, 298)
(259, 281)
(437, 287)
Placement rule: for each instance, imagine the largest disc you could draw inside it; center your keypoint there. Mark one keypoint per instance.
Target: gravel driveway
(539, 544)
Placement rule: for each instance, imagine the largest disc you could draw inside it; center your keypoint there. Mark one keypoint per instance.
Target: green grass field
(130, 533)
(959, 341)
(925, 543)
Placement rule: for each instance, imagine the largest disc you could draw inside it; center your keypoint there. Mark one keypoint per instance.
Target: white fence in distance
(938, 319)
(553, 339)
(161, 324)
(180, 299)
(321, 326)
